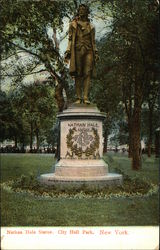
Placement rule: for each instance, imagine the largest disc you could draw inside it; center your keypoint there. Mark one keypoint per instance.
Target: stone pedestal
(81, 149)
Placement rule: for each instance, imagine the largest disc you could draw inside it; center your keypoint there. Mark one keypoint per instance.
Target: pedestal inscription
(81, 139)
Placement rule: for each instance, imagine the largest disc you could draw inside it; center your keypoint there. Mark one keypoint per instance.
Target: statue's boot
(86, 90)
(78, 101)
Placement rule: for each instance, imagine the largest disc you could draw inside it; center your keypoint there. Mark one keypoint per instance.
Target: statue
(82, 53)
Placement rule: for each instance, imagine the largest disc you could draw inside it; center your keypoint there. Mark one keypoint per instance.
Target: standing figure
(82, 53)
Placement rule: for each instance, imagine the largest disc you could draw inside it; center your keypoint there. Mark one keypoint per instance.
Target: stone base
(81, 150)
(77, 182)
(89, 182)
(73, 168)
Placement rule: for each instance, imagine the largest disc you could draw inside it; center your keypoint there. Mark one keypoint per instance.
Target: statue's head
(83, 10)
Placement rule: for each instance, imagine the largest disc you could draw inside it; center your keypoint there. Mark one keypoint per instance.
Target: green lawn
(25, 210)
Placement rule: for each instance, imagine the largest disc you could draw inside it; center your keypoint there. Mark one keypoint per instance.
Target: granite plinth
(80, 168)
(81, 150)
(70, 181)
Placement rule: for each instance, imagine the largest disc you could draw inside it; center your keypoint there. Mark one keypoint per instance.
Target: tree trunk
(128, 108)
(22, 141)
(157, 143)
(59, 97)
(31, 136)
(23, 145)
(130, 139)
(37, 139)
(15, 141)
(136, 138)
(150, 133)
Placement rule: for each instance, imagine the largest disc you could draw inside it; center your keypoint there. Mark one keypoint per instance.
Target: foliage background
(126, 87)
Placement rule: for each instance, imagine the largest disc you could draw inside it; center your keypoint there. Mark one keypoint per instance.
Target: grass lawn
(26, 210)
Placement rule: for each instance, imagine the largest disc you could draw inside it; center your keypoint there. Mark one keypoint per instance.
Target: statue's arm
(94, 45)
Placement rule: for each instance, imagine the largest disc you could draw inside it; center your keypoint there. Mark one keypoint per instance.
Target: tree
(35, 32)
(6, 116)
(151, 99)
(106, 92)
(132, 43)
(31, 113)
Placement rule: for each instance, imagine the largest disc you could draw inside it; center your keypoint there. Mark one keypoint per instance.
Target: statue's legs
(84, 65)
(87, 81)
(79, 76)
(78, 83)
(88, 64)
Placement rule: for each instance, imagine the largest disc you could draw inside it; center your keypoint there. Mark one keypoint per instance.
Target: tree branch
(75, 3)
(17, 52)
(64, 36)
(55, 39)
(24, 49)
(26, 74)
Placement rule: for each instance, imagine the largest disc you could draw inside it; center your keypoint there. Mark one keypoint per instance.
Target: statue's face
(82, 11)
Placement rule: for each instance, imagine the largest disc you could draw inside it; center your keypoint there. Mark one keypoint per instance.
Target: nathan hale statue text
(82, 53)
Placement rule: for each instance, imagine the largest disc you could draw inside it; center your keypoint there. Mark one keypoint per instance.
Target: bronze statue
(82, 53)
